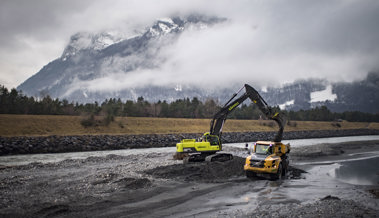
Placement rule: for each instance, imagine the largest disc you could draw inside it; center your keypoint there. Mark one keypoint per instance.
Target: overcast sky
(269, 41)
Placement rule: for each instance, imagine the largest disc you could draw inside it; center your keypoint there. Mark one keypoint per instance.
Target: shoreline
(60, 144)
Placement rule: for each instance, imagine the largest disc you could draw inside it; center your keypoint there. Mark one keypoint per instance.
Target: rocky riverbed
(58, 144)
(154, 185)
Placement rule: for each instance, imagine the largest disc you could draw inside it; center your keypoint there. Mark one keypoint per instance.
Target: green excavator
(208, 147)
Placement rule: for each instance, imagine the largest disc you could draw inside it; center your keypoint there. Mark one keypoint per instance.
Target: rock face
(57, 144)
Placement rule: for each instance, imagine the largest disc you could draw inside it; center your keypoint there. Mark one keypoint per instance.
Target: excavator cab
(207, 143)
(212, 139)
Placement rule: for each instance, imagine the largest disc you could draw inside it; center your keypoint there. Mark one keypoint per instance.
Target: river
(14, 160)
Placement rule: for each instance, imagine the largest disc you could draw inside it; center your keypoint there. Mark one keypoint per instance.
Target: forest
(14, 102)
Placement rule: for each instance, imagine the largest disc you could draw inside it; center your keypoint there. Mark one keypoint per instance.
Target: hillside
(42, 125)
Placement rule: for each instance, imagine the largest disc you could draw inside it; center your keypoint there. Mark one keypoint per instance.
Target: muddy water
(14, 160)
(358, 172)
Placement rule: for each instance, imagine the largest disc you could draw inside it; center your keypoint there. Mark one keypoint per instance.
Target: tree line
(14, 102)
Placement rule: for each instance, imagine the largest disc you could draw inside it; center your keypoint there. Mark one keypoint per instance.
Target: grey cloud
(267, 41)
(37, 18)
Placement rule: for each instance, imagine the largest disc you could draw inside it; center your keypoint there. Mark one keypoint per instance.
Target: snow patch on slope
(323, 95)
(287, 103)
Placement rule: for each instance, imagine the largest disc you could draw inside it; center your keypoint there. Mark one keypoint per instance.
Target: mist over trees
(14, 102)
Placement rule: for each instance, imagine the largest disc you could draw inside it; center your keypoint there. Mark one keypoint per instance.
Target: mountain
(357, 96)
(94, 60)
(89, 58)
(338, 97)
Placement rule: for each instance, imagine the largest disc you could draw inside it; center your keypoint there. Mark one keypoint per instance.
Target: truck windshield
(263, 149)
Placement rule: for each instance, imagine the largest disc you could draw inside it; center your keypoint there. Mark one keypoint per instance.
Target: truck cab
(267, 158)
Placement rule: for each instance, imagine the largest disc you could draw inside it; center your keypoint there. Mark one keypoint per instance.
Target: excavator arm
(219, 118)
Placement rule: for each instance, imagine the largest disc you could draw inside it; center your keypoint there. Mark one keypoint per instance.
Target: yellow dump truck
(267, 159)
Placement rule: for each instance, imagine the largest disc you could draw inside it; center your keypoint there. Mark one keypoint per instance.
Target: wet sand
(155, 185)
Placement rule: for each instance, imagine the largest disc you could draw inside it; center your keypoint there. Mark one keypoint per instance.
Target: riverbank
(152, 184)
(47, 125)
(59, 144)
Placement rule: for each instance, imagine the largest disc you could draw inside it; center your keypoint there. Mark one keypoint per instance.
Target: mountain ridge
(93, 60)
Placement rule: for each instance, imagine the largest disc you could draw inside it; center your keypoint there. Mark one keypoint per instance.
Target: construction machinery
(208, 147)
(267, 159)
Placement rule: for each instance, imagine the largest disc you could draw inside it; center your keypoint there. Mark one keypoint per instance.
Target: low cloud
(263, 43)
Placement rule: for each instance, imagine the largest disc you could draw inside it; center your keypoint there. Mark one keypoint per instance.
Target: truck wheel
(285, 168)
(280, 171)
(278, 174)
(250, 174)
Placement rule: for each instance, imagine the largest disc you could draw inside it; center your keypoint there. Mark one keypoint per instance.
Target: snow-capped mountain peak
(164, 26)
(105, 39)
(88, 41)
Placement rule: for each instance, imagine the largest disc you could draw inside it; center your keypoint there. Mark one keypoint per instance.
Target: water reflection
(359, 172)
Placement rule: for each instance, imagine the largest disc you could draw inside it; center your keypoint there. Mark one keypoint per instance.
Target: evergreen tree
(14, 102)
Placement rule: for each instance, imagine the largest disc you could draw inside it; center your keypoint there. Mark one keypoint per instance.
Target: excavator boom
(219, 118)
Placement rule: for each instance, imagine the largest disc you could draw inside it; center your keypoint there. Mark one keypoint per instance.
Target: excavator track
(198, 157)
(201, 157)
(219, 157)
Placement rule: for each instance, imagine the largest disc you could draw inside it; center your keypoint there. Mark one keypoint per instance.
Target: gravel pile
(210, 171)
(201, 171)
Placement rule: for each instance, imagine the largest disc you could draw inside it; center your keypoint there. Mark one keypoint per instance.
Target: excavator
(207, 147)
